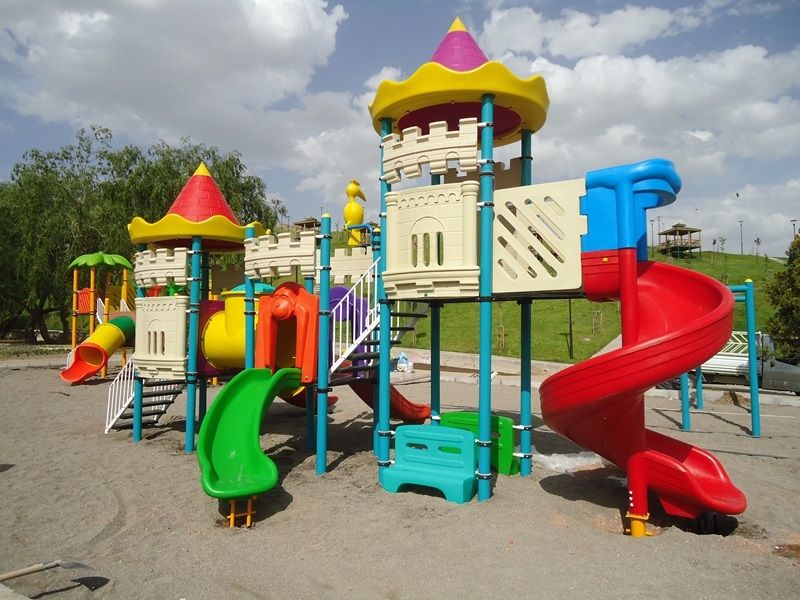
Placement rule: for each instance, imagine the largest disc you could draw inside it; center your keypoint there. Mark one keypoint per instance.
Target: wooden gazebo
(680, 240)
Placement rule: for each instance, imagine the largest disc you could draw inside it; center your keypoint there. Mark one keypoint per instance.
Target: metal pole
(750, 311)
(525, 308)
(194, 327)
(324, 343)
(138, 382)
(686, 419)
(484, 440)
(698, 387)
(249, 311)
(384, 333)
(436, 356)
(741, 239)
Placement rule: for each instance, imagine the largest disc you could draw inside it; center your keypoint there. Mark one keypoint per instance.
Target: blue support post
(205, 290)
(323, 376)
(249, 311)
(308, 282)
(525, 359)
(436, 362)
(194, 338)
(384, 334)
(138, 383)
(698, 388)
(752, 355)
(686, 418)
(485, 290)
(525, 417)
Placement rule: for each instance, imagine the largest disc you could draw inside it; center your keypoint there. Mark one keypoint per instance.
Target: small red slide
(684, 319)
(401, 407)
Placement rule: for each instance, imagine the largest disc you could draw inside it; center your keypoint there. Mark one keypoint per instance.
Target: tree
(79, 199)
(783, 292)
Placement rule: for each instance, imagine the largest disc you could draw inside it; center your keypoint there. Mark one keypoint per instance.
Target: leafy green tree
(784, 294)
(79, 199)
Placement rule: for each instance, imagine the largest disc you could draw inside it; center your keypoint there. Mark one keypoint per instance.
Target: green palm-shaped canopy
(98, 259)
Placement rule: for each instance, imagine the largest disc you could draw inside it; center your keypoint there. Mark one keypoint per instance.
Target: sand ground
(136, 514)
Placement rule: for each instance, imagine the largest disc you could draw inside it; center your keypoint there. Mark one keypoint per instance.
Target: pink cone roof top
(458, 50)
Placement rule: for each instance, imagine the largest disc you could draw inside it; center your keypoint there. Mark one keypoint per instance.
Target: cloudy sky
(713, 86)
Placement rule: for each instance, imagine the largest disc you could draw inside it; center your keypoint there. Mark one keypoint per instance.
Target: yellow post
(638, 525)
(106, 309)
(74, 308)
(92, 298)
(123, 297)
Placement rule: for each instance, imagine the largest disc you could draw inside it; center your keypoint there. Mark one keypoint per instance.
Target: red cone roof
(201, 199)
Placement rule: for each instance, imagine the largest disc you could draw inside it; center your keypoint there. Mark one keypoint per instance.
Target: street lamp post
(741, 239)
(652, 240)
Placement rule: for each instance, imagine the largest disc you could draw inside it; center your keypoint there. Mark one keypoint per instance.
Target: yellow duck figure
(354, 212)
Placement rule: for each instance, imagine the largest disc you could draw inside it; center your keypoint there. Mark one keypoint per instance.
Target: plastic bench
(443, 458)
(503, 459)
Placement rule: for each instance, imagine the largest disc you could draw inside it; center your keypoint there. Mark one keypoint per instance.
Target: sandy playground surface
(136, 514)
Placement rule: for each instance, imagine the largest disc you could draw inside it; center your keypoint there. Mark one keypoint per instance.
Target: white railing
(120, 394)
(100, 311)
(361, 301)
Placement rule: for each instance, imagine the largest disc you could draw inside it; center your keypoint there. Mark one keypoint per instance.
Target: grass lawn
(593, 324)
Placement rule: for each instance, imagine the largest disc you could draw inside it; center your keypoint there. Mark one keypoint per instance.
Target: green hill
(593, 324)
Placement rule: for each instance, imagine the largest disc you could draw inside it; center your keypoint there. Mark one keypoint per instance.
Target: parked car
(731, 366)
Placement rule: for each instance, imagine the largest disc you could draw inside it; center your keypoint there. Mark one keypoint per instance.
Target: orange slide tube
(92, 355)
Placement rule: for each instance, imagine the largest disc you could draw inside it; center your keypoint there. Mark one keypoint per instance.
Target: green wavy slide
(232, 463)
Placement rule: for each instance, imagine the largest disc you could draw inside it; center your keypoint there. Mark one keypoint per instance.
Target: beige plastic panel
(409, 153)
(503, 177)
(537, 231)
(161, 267)
(267, 256)
(161, 337)
(348, 264)
(439, 217)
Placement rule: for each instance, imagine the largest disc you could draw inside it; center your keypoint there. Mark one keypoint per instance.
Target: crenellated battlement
(432, 244)
(409, 153)
(270, 256)
(348, 264)
(162, 266)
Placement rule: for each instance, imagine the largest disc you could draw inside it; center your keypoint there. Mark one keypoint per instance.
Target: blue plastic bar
(249, 311)
(752, 355)
(138, 384)
(525, 417)
(376, 235)
(686, 418)
(384, 334)
(485, 291)
(436, 362)
(310, 439)
(526, 159)
(323, 378)
(698, 388)
(194, 338)
(205, 289)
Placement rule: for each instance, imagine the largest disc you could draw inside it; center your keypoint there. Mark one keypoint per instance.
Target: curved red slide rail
(683, 318)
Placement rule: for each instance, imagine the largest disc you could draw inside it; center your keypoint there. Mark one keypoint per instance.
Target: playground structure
(481, 235)
(110, 323)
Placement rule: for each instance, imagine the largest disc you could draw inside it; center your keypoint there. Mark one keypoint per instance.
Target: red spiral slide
(683, 319)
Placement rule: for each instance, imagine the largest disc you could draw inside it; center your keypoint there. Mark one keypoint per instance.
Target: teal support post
(752, 355)
(525, 416)
(484, 440)
(526, 157)
(323, 375)
(525, 359)
(436, 362)
(138, 382)
(686, 418)
(436, 179)
(384, 334)
(194, 339)
(698, 388)
(205, 290)
(308, 283)
(249, 312)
